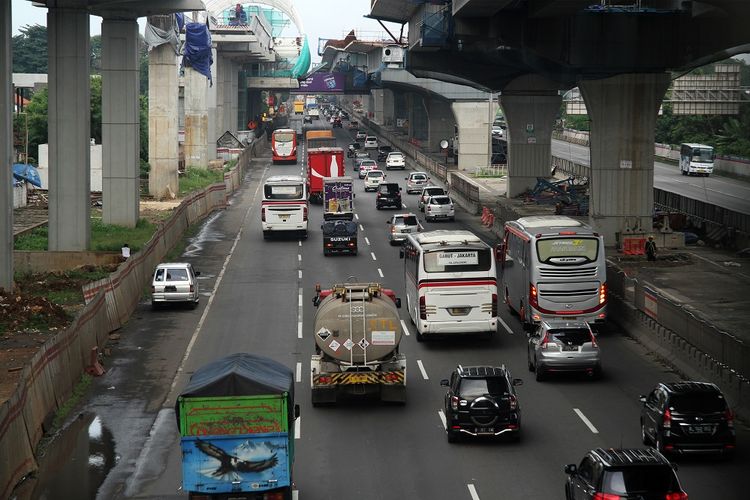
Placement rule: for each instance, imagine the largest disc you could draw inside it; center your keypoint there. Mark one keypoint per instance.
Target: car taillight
(593, 340)
(729, 417)
(192, 288)
(605, 496)
(454, 403)
(544, 342)
(274, 496)
(304, 214)
(666, 421)
(263, 215)
(429, 208)
(676, 495)
(533, 299)
(393, 229)
(603, 294)
(422, 308)
(494, 305)
(513, 402)
(153, 289)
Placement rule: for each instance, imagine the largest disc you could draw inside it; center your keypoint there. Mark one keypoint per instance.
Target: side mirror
(406, 178)
(499, 251)
(388, 221)
(296, 411)
(642, 399)
(571, 469)
(445, 382)
(398, 303)
(197, 273)
(517, 382)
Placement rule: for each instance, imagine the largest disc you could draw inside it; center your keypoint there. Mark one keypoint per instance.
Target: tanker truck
(357, 332)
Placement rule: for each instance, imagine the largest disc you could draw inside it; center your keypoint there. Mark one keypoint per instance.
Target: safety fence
(464, 187)
(48, 379)
(683, 335)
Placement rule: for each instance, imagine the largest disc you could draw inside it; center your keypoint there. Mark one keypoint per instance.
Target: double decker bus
(451, 285)
(284, 145)
(553, 267)
(696, 159)
(284, 209)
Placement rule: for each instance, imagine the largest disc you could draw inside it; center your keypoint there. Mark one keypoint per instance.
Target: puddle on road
(205, 235)
(75, 463)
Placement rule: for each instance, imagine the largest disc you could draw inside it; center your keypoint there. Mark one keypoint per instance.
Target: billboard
(322, 83)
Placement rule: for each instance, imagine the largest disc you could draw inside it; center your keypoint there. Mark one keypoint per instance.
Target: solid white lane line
(299, 299)
(586, 421)
(298, 375)
(299, 330)
(373, 256)
(442, 419)
(299, 274)
(421, 369)
(298, 428)
(505, 325)
(295, 494)
(380, 272)
(404, 327)
(361, 227)
(404, 205)
(356, 216)
(367, 240)
(473, 492)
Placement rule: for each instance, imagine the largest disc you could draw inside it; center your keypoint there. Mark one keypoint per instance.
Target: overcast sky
(321, 19)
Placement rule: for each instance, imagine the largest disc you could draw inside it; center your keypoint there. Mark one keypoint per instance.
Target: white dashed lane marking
(367, 240)
(473, 492)
(380, 272)
(442, 419)
(298, 375)
(505, 325)
(586, 421)
(404, 327)
(421, 369)
(373, 256)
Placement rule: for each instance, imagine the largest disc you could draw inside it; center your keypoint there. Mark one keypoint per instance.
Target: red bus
(284, 145)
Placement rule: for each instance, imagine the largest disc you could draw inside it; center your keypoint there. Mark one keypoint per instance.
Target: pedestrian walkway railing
(498, 170)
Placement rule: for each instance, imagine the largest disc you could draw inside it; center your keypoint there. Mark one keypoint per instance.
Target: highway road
(724, 192)
(257, 298)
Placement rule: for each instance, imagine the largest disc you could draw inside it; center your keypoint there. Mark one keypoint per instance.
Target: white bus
(451, 283)
(696, 159)
(553, 267)
(284, 208)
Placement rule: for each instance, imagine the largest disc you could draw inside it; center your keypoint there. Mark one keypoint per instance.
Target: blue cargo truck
(236, 420)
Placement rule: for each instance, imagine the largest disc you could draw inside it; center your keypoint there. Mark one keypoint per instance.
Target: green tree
(96, 108)
(37, 111)
(96, 54)
(30, 50)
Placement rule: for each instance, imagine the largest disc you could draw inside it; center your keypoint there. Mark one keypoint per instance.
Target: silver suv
(174, 282)
(428, 191)
(401, 226)
(559, 345)
(416, 181)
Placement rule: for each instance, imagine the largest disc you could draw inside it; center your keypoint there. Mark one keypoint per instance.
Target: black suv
(383, 152)
(389, 195)
(623, 473)
(686, 417)
(481, 401)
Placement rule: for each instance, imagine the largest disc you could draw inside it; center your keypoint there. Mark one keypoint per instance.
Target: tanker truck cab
(357, 332)
(451, 285)
(284, 209)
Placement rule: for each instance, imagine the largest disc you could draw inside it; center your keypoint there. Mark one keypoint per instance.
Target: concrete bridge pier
(163, 90)
(6, 148)
(69, 129)
(234, 99)
(473, 120)
(196, 119)
(212, 97)
(121, 144)
(441, 122)
(530, 105)
(623, 111)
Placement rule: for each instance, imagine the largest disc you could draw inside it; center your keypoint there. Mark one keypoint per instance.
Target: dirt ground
(27, 320)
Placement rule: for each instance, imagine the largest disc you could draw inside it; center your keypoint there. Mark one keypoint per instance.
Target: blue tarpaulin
(180, 18)
(28, 173)
(197, 53)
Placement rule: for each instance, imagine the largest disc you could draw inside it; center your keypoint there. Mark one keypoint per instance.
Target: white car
(401, 226)
(365, 166)
(373, 178)
(371, 142)
(395, 160)
(175, 282)
(426, 193)
(439, 207)
(416, 181)
(360, 135)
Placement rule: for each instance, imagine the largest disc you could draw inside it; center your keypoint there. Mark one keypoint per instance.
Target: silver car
(439, 206)
(401, 225)
(175, 282)
(426, 193)
(416, 181)
(559, 345)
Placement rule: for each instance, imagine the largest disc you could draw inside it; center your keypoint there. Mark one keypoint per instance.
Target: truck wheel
(453, 437)
(420, 337)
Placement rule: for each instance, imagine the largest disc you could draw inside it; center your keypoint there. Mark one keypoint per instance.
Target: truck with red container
(321, 163)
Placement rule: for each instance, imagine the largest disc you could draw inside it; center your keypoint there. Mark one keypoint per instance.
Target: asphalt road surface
(722, 191)
(257, 298)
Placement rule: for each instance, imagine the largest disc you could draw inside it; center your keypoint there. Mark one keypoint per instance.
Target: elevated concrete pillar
(389, 117)
(234, 96)
(376, 106)
(530, 104)
(163, 92)
(69, 125)
(220, 84)
(419, 123)
(473, 120)
(121, 139)
(243, 104)
(226, 71)
(196, 119)
(212, 105)
(6, 148)
(441, 122)
(622, 111)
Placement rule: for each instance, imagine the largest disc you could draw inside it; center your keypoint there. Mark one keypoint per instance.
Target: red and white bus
(284, 145)
(450, 281)
(284, 209)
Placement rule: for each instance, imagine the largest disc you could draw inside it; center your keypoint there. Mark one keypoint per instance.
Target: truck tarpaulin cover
(197, 53)
(239, 375)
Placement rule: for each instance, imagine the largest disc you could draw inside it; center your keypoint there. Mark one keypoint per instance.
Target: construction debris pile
(569, 196)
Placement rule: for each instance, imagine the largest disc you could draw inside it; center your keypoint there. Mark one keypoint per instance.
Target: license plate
(485, 430)
(701, 429)
(358, 379)
(284, 217)
(406, 230)
(459, 311)
(170, 288)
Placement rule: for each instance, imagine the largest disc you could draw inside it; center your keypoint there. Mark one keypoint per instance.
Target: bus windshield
(458, 260)
(703, 155)
(558, 250)
(283, 192)
(283, 136)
